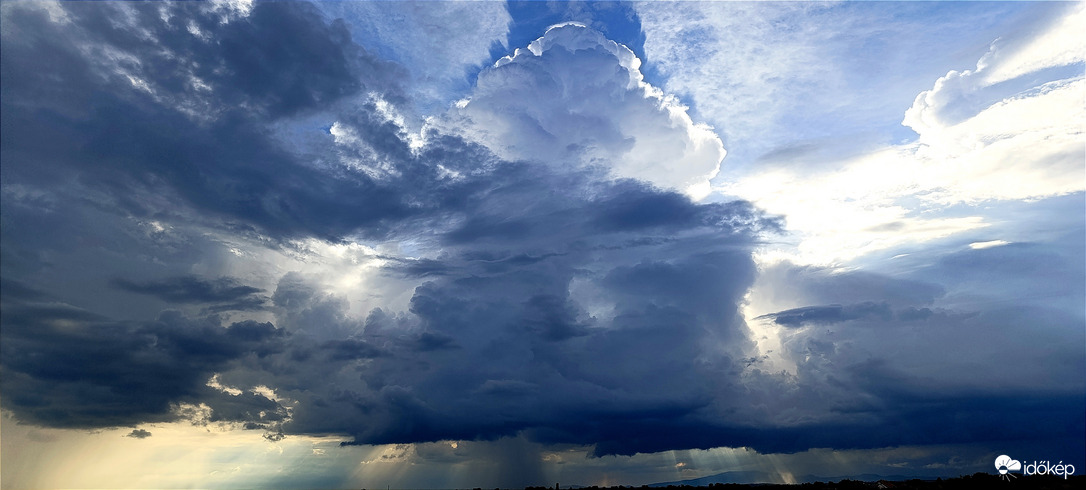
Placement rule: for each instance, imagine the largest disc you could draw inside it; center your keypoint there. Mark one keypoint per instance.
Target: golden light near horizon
(173, 455)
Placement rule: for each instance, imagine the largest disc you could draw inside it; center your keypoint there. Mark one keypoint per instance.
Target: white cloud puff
(575, 98)
(991, 133)
(1061, 44)
(978, 142)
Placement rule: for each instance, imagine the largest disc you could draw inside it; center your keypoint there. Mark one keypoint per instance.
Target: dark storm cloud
(551, 317)
(917, 411)
(419, 268)
(897, 369)
(428, 341)
(223, 293)
(15, 290)
(139, 434)
(281, 59)
(1035, 273)
(633, 207)
(345, 350)
(500, 343)
(1006, 261)
(198, 129)
(797, 317)
(64, 367)
(827, 286)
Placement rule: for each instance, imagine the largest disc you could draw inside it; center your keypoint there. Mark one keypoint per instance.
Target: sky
(485, 244)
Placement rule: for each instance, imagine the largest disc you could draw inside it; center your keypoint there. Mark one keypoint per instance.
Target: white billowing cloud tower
(576, 98)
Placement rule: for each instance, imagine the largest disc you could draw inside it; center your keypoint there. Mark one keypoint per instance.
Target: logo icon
(1005, 464)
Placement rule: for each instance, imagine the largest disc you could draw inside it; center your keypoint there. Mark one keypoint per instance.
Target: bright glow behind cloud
(1028, 145)
(1061, 44)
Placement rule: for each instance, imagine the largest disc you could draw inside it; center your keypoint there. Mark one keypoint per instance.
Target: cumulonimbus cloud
(574, 97)
(570, 295)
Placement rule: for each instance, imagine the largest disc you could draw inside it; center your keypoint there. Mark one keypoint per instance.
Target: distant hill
(726, 477)
(763, 477)
(860, 477)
